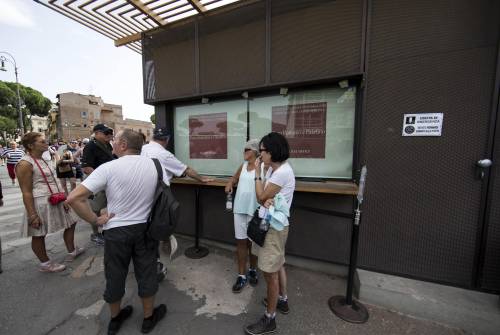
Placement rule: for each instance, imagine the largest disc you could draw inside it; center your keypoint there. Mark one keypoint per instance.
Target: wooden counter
(330, 187)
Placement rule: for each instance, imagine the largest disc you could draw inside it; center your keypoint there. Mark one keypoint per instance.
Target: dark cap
(102, 128)
(161, 134)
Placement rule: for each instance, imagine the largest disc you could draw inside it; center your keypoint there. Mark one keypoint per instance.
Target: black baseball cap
(103, 129)
(161, 134)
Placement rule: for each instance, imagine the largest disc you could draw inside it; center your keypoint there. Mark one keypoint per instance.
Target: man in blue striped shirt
(13, 155)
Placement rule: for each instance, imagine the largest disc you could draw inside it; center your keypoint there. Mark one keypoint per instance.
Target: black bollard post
(197, 251)
(345, 307)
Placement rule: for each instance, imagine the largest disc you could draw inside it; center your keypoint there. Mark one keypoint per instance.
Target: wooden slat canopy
(125, 20)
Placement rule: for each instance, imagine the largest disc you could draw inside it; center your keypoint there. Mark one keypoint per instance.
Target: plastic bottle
(229, 202)
(265, 222)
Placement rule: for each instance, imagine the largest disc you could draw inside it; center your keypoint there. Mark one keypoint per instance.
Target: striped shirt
(13, 156)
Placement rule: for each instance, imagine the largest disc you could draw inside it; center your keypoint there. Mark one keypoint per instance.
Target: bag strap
(158, 169)
(53, 177)
(43, 174)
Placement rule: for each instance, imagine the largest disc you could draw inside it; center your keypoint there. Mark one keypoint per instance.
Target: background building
(77, 114)
(39, 123)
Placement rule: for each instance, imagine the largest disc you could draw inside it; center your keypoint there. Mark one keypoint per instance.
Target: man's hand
(205, 179)
(229, 187)
(103, 219)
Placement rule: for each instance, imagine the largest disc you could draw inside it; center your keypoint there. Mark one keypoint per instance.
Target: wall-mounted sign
(425, 124)
(208, 136)
(304, 126)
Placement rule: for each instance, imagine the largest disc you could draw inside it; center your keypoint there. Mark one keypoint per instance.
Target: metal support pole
(197, 251)
(19, 111)
(345, 307)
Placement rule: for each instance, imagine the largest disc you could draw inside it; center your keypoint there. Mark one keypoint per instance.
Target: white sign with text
(425, 124)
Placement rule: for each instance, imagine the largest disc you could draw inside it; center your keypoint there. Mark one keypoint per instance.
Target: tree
(153, 118)
(8, 126)
(34, 102)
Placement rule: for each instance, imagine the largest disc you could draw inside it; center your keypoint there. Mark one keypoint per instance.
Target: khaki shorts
(272, 254)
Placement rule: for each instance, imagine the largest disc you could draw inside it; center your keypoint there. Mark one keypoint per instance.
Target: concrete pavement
(197, 293)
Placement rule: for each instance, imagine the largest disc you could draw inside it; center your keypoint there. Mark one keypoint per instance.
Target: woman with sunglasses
(38, 182)
(244, 205)
(277, 191)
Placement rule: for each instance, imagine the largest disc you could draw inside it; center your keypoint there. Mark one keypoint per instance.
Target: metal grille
(421, 214)
(315, 39)
(232, 49)
(491, 271)
(171, 53)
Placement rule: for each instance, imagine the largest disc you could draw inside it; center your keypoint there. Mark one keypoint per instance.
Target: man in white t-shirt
(171, 166)
(129, 182)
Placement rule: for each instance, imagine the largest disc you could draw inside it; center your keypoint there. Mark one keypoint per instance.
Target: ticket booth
(342, 80)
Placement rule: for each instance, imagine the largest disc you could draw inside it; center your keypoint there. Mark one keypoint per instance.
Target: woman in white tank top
(244, 205)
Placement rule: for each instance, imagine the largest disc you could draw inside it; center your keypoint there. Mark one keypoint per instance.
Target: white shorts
(240, 225)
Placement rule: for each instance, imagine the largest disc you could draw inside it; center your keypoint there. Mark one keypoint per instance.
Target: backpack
(165, 211)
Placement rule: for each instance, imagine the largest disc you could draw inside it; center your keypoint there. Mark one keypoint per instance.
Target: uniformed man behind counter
(97, 152)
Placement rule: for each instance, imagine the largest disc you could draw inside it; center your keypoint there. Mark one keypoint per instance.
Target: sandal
(52, 267)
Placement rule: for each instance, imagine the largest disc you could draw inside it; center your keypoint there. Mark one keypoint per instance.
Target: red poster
(304, 126)
(208, 136)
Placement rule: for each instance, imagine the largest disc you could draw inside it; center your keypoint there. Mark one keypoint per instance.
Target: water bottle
(264, 223)
(229, 202)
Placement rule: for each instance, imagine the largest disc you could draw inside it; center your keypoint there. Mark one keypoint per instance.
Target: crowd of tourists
(118, 180)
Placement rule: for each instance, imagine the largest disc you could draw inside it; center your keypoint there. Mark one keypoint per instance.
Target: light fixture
(284, 91)
(2, 68)
(204, 100)
(245, 95)
(344, 83)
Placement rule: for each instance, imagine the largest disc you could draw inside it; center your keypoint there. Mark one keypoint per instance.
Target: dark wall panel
(491, 271)
(232, 49)
(312, 235)
(422, 201)
(186, 197)
(319, 39)
(172, 53)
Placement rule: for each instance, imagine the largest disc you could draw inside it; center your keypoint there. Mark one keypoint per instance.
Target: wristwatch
(257, 178)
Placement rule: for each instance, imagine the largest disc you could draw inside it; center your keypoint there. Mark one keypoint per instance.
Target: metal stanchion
(197, 251)
(345, 307)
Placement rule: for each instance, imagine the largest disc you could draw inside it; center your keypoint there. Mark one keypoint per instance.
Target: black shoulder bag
(254, 232)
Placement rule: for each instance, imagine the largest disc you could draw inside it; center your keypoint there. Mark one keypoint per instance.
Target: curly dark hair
(277, 146)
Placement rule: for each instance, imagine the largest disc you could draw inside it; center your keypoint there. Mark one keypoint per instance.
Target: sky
(55, 54)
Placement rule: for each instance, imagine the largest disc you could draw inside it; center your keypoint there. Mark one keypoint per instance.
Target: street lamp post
(12, 60)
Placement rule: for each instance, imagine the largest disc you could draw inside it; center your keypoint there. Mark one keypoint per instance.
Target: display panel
(210, 137)
(319, 126)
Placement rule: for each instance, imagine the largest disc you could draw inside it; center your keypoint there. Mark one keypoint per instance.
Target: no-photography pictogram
(409, 129)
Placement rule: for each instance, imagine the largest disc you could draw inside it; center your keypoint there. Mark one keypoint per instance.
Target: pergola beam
(198, 6)
(148, 12)
(127, 39)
